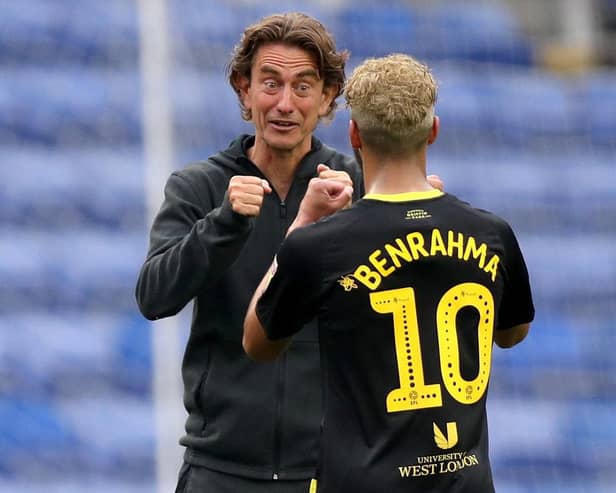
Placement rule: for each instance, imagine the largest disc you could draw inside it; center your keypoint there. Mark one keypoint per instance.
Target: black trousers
(195, 479)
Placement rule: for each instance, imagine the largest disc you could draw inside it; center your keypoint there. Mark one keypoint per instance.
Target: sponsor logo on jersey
(417, 214)
(347, 283)
(446, 441)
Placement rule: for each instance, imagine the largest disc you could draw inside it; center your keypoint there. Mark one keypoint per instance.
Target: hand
(323, 197)
(326, 173)
(246, 194)
(436, 182)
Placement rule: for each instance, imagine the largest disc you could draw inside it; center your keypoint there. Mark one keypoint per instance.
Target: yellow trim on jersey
(405, 196)
(313, 486)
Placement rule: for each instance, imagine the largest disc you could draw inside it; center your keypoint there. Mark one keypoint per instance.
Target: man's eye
(270, 84)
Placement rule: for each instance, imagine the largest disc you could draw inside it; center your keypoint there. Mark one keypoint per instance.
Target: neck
(391, 175)
(278, 165)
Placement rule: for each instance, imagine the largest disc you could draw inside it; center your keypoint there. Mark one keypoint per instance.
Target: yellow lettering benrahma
(367, 277)
(492, 266)
(379, 263)
(478, 252)
(437, 245)
(416, 244)
(401, 252)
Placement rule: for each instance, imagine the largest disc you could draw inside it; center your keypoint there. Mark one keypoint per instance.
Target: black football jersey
(408, 290)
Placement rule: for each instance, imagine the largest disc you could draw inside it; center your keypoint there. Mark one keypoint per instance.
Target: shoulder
(198, 176)
(493, 225)
(483, 215)
(325, 231)
(205, 181)
(224, 163)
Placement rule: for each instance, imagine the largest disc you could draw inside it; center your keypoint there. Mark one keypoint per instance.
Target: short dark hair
(294, 29)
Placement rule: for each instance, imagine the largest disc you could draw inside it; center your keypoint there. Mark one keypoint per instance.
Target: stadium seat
(77, 270)
(597, 92)
(206, 110)
(526, 109)
(472, 32)
(534, 191)
(71, 107)
(368, 30)
(204, 33)
(48, 34)
(478, 32)
(82, 438)
(542, 447)
(106, 354)
(37, 435)
(72, 188)
(124, 427)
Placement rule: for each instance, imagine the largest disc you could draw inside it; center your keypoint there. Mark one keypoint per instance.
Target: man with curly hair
(410, 287)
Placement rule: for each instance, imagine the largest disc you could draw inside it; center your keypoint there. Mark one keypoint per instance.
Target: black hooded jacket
(258, 420)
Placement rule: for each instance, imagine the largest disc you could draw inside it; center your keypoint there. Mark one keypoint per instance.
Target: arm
(255, 341)
(508, 338)
(517, 310)
(190, 246)
(323, 197)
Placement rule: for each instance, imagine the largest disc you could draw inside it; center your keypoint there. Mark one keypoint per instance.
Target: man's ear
(354, 135)
(242, 85)
(327, 96)
(436, 126)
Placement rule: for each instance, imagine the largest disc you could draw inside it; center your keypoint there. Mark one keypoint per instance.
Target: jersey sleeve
(290, 299)
(517, 304)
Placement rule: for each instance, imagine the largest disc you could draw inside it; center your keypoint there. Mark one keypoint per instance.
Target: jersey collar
(404, 197)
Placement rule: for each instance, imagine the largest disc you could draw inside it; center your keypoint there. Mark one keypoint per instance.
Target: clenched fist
(246, 194)
(323, 197)
(326, 173)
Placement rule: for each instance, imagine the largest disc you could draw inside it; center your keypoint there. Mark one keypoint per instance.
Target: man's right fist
(246, 194)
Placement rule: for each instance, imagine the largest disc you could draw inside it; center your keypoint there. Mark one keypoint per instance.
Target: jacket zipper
(280, 391)
(280, 384)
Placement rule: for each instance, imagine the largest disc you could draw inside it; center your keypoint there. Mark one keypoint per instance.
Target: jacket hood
(235, 157)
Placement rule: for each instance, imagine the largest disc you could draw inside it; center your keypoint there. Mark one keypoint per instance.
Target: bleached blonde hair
(392, 102)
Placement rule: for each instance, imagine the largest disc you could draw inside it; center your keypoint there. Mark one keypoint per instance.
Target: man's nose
(285, 103)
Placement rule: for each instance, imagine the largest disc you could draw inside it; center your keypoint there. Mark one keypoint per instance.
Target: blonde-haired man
(410, 287)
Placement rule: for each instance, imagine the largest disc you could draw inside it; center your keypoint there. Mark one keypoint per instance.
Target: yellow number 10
(414, 392)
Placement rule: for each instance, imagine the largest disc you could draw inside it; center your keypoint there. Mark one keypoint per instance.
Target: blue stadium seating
(484, 32)
(459, 107)
(94, 108)
(37, 435)
(597, 111)
(75, 357)
(86, 438)
(526, 107)
(49, 33)
(478, 32)
(100, 187)
(70, 107)
(206, 110)
(78, 270)
(372, 31)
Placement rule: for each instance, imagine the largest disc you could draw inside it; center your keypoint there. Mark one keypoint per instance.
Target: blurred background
(100, 100)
